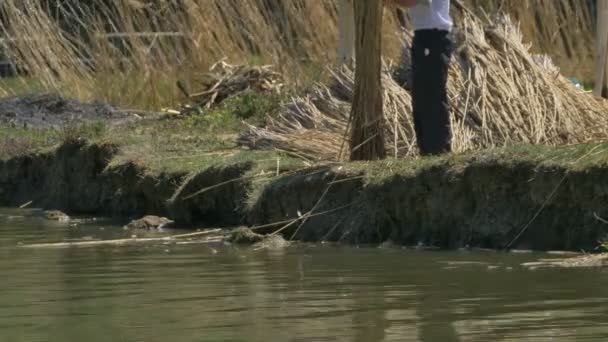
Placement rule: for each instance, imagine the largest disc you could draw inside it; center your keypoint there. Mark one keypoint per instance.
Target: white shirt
(432, 14)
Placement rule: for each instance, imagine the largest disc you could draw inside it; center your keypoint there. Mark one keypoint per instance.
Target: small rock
(56, 215)
(150, 222)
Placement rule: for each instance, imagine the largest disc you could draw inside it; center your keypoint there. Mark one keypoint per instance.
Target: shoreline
(527, 197)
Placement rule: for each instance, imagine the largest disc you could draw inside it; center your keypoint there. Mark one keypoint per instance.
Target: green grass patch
(15, 141)
(573, 158)
(20, 85)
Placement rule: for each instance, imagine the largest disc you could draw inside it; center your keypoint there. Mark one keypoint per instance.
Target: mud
(77, 178)
(55, 111)
(473, 203)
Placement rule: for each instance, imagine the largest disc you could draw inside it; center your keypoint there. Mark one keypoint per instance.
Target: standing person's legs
(431, 53)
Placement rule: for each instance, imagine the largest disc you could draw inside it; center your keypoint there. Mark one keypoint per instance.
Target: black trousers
(431, 54)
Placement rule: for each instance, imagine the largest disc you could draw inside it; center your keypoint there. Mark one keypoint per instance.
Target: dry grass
(500, 93)
(564, 29)
(141, 70)
(135, 70)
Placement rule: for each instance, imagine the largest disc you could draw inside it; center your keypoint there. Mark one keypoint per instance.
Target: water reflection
(196, 293)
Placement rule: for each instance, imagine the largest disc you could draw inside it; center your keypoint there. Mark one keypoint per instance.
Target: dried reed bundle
(500, 94)
(367, 133)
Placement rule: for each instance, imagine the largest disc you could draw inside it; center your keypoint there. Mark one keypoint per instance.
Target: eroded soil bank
(537, 198)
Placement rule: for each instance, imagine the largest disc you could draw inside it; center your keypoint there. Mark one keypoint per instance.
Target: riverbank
(524, 197)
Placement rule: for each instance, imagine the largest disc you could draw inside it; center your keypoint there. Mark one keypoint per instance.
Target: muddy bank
(79, 178)
(482, 200)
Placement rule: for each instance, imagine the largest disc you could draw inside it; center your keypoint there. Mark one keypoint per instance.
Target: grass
(173, 144)
(206, 138)
(15, 141)
(574, 158)
(19, 85)
(169, 145)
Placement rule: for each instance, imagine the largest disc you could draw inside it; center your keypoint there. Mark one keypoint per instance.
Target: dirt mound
(52, 110)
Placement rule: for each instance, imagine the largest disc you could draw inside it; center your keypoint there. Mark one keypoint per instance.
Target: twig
(117, 242)
(200, 192)
(205, 232)
(128, 241)
(597, 217)
(25, 205)
(299, 218)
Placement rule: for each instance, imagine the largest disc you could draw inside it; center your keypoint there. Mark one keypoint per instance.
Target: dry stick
(25, 205)
(396, 132)
(308, 215)
(548, 199)
(232, 181)
(117, 242)
(345, 137)
(128, 241)
(336, 225)
(314, 207)
(206, 232)
(220, 184)
(599, 218)
(299, 218)
(364, 142)
(344, 180)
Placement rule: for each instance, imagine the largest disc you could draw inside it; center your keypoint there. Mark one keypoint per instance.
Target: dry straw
(132, 53)
(500, 94)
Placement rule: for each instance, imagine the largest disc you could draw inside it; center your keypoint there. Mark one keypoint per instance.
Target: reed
(501, 93)
(132, 53)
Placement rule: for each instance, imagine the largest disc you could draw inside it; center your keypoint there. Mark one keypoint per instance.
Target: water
(307, 293)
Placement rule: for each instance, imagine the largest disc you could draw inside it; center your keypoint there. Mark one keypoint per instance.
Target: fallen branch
(292, 221)
(205, 232)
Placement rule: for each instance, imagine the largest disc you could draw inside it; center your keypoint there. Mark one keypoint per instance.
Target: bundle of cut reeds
(367, 120)
(500, 94)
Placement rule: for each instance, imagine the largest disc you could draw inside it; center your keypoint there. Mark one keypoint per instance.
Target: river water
(195, 292)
